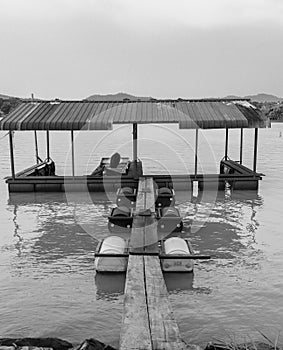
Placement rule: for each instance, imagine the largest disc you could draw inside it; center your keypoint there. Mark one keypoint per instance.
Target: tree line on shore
(272, 110)
(7, 104)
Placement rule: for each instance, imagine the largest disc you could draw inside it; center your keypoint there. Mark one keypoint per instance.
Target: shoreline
(94, 344)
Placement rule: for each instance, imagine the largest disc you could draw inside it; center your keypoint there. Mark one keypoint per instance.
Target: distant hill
(262, 97)
(120, 96)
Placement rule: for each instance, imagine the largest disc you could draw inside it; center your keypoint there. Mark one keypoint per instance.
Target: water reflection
(177, 282)
(66, 233)
(109, 285)
(56, 197)
(52, 235)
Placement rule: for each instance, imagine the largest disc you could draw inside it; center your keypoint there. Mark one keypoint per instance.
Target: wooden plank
(150, 195)
(151, 235)
(135, 332)
(137, 241)
(140, 201)
(164, 329)
(144, 228)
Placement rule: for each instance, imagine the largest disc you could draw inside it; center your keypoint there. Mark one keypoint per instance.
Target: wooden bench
(234, 167)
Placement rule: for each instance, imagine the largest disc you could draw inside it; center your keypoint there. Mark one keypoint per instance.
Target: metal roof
(93, 115)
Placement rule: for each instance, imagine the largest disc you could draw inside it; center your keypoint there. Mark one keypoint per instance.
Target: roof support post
(135, 147)
(241, 145)
(47, 145)
(196, 154)
(12, 154)
(36, 147)
(255, 149)
(73, 153)
(226, 143)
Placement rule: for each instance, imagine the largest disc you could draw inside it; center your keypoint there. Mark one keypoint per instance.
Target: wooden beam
(163, 327)
(255, 149)
(144, 229)
(148, 320)
(47, 145)
(241, 145)
(135, 332)
(73, 153)
(196, 153)
(12, 154)
(135, 148)
(226, 143)
(135, 138)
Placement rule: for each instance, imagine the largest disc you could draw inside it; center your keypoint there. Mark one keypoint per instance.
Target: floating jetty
(77, 116)
(148, 320)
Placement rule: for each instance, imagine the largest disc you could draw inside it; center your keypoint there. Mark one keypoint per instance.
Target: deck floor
(148, 320)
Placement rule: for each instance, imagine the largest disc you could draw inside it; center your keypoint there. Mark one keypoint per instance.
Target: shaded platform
(246, 181)
(148, 320)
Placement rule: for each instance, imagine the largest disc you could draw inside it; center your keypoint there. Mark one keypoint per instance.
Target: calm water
(47, 278)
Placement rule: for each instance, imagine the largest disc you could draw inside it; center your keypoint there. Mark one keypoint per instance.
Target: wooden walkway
(148, 321)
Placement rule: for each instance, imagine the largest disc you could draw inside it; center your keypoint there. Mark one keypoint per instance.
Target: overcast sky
(160, 48)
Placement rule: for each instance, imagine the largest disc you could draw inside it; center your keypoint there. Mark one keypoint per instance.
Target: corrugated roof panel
(118, 114)
(67, 115)
(234, 118)
(10, 121)
(23, 120)
(74, 121)
(74, 114)
(98, 121)
(164, 113)
(220, 120)
(89, 115)
(187, 119)
(174, 112)
(54, 115)
(93, 116)
(193, 116)
(37, 116)
(154, 114)
(216, 120)
(253, 117)
(128, 114)
(209, 111)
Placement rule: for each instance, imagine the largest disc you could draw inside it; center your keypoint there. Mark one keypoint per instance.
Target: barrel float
(177, 246)
(112, 245)
(120, 218)
(126, 196)
(165, 198)
(169, 220)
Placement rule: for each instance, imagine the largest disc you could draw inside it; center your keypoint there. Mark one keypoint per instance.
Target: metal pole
(12, 154)
(35, 138)
(241, 145)
(47, 145)
(255, 148)
(135, 148)
(36, 147)
(196, 154)
(135, 142)
(226, 144)
(73, 153)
